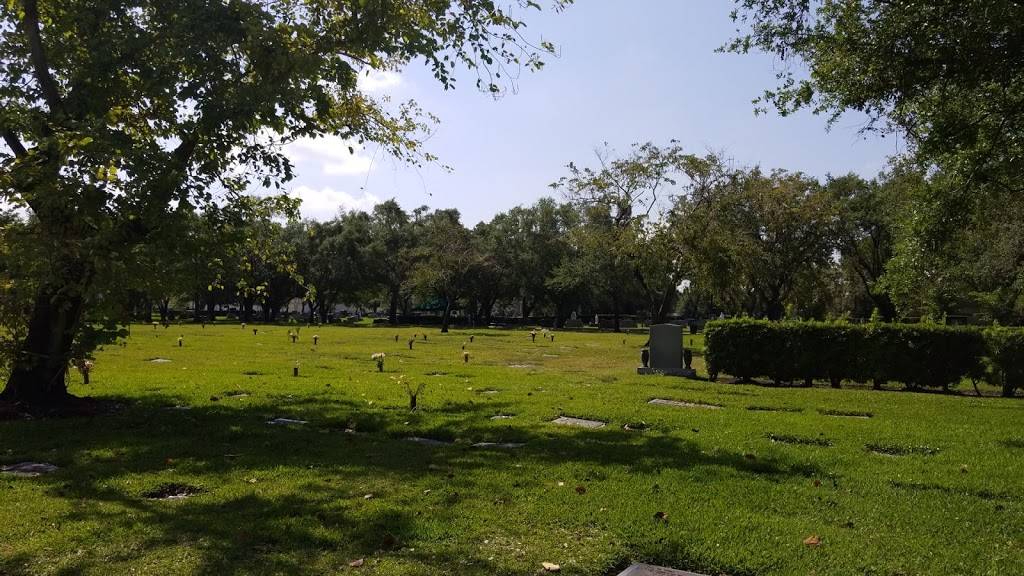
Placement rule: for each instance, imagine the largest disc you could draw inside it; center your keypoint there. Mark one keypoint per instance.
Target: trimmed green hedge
(1005, 358)
(916, 355)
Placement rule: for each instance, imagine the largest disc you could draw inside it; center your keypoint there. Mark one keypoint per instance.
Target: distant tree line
(654, 233)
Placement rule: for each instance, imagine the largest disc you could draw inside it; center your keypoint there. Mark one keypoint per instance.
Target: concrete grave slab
(580, 422)
(506, 445)
(428, 441)
(29, 469)
(649, 570)
(286, 421)
(681, 404)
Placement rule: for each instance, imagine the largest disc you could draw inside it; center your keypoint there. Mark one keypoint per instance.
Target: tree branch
(13, 142)
(40, 65)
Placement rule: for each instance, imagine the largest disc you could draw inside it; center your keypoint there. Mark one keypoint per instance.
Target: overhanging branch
(40, 65)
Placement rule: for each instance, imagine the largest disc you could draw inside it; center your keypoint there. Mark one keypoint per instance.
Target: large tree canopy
(948, 74)
(116, 114)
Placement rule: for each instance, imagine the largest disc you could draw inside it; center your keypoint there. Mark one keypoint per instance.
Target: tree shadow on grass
(305, 498)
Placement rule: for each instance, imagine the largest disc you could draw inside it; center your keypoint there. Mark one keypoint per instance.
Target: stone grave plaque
(29, 469)
(581, 422)
(648, 570)
(683, 404)
(286, 421)
(506, 445)
(428, 441)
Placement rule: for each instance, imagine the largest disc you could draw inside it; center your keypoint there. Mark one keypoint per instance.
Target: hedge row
(916, 355)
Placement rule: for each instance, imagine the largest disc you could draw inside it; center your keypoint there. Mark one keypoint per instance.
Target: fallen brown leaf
(549, 567)
(812, 540)
(357, 563)
(581, 489)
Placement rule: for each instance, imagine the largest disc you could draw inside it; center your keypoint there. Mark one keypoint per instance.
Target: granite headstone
(666, 352)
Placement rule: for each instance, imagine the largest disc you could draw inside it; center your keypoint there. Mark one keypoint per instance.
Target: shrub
(916, 355)
(1005, 347)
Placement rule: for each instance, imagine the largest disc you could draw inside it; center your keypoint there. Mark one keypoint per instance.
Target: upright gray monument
(666, 352)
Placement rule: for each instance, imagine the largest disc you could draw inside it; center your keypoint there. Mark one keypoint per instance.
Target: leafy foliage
(946, 74)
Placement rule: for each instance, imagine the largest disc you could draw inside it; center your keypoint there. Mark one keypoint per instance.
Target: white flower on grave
(84, 366)
(378, 356)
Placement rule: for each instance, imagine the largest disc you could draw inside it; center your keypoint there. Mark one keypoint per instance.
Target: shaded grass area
(734, 490)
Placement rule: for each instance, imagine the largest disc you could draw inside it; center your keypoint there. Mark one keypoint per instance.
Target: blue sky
(627, 72)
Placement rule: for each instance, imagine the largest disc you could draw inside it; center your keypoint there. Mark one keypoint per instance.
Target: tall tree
(865, 233)
(115, 114)
(767, 234)
(394, 240)
(635, 194)
(447, 255)
(947, 74)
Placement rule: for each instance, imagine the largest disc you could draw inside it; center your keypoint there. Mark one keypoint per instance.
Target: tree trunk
(1007, 389)
(615, 315)
(393, 307)
(667, 300)
(447, 315)
(488, 311)
(247, 305)
(38, 379)
(165, 308)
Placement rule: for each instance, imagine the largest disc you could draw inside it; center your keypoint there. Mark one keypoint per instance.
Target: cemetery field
(729, 479)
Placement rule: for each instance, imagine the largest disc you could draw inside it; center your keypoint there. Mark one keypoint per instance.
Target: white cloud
(326, 203)
(378, 80)
(336, 156)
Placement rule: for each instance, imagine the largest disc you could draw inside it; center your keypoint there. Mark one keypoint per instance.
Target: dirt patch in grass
(901, 449)
(252, 373)
(845, 413)
(774, 409)
(236, 393)
(798, 440)
(172, 491)
(983, 494)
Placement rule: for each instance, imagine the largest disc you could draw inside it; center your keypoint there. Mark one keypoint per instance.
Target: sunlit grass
(734, 490)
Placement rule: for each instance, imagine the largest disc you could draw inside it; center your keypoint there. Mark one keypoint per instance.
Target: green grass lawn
(732, 490)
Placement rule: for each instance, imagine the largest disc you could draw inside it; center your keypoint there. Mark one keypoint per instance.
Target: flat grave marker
(681, 404)
(286, 421)
(428, 441)
(29, 469)
(649, 570)
(581, 422)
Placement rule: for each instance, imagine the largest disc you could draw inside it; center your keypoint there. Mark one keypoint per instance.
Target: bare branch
(40, 65)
